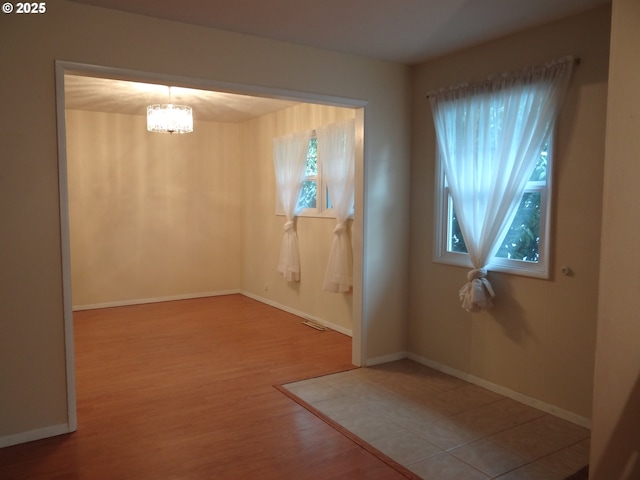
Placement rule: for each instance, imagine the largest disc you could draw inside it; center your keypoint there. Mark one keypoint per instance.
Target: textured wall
(151, 215)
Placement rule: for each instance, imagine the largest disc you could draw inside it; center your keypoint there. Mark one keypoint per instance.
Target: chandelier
(169, 118)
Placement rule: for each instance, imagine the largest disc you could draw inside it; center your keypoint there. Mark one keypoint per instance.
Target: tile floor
(440, 427)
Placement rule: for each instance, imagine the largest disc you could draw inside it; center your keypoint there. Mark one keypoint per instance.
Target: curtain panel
(289, 159)
(489, 136)
(337, 156)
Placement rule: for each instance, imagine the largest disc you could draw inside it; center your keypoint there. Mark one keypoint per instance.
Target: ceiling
(132, 98)
(403, 31)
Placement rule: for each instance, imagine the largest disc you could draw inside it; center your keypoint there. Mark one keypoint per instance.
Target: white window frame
(442, 215)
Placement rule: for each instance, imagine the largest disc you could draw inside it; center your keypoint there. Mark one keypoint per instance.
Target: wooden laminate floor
(184, 390)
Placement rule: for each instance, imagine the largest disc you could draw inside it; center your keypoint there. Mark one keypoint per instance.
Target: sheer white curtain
(289, 159)
(336, 154)
(489, 139)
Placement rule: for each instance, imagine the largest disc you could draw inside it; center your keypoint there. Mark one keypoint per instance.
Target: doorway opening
(143, 197)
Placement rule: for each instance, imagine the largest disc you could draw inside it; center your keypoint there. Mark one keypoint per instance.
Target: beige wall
(539, 339)
(151, 215)
(32, 342)
(615, 441)
(159, 216)
(263, 229)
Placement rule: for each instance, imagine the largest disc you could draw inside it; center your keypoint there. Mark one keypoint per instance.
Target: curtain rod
(576, 62)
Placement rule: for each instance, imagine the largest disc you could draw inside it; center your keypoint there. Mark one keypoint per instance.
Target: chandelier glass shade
(169, 118)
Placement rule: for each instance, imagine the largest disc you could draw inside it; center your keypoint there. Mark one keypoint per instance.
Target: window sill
(304, 214)
(502, 265)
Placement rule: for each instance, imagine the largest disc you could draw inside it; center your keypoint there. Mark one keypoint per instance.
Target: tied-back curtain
(336, 154)
(490, 136)
(289, 159)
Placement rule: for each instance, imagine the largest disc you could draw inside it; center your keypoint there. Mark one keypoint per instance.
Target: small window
(314, 196)
(524, 249)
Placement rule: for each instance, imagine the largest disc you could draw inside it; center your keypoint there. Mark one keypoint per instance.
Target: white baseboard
(391, 357)
(518, 397)
(31, 435)
(299, 313)
(141, 301)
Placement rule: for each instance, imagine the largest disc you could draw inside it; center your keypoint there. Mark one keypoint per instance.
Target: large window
(494, 174)
(525, 246)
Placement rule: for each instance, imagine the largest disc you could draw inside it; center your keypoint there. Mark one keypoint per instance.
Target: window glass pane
(540, 172)
(308, 191)
(308, 195)
(455, 242)
(523, 237)
(521, 241)
(312, 158)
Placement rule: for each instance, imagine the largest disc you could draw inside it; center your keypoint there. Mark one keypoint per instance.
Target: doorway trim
(65, 67)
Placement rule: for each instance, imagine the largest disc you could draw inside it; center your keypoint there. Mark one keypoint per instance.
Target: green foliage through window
(309, 193)
(523, 237)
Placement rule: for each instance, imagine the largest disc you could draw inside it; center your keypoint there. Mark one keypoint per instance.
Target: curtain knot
(288, 226)
(339, 228)
(477, 294)
(476, 274)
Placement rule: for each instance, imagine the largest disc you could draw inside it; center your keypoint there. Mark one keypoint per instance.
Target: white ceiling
(120, 96)
(404, 31)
